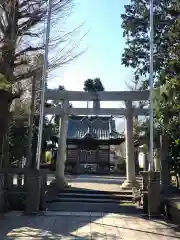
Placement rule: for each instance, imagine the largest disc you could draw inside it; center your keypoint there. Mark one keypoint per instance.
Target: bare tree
(22, 27)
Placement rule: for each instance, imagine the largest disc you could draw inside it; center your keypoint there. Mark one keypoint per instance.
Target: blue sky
(105, 45)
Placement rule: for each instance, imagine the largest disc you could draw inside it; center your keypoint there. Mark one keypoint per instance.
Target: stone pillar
(44, 174)
(61, 154)
(2, 195)
(33, 191)
(154, 197)
(151, 193)
(2, 201)
(144, 175)
(130, 163)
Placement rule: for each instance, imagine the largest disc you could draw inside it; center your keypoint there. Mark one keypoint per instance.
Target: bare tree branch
(28, 49)
(22, 27)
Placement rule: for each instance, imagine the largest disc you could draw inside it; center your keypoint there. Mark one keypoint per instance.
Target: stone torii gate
(65, 110)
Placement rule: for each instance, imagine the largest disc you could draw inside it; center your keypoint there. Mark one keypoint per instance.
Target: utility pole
(44, 80)
(151, 80)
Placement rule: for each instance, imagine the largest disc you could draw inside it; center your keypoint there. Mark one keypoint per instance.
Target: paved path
(94, 182)
(103, 183)
(84, 226)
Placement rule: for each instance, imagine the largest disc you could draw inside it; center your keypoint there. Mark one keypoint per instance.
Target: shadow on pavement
(80, 227)
(79, 223)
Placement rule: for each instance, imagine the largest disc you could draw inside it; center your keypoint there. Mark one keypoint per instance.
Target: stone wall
(173, 210)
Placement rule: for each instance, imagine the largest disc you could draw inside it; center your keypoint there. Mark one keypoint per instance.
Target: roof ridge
(95, 127)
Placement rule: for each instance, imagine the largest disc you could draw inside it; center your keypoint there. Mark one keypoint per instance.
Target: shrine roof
(100, 128)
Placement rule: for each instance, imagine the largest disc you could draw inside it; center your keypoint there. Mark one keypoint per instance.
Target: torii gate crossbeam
(53, 94)
(91, 111)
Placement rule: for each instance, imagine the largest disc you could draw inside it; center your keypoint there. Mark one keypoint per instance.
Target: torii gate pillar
(130, 161)
(61, 156)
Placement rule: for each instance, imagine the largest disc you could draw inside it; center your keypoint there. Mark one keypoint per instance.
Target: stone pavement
(95, 182)
(84, 226)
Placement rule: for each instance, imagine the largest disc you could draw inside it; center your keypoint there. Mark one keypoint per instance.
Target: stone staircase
(88, 200)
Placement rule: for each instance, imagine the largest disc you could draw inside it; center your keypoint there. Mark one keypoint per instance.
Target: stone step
(90, 191)
(122, 207)
(89, 200)
(95, 195)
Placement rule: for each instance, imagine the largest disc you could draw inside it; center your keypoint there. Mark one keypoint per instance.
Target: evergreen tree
(93, 85)
(166, 62)
(136, 31)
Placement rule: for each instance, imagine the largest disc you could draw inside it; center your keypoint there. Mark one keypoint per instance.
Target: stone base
(130, 184)
(173, 211)
(43, 190)
(154, 198)
(2, 201)
(33, 192)
(61, 182)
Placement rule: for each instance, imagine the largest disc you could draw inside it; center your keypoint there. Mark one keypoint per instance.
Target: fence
(14, 188)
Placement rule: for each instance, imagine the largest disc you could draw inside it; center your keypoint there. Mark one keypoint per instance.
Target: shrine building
(88, 144)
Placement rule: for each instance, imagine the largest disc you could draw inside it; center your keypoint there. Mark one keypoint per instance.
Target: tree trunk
(5, 100)
(165, 174)
(30, 163)
(136, 160)
(61, 155)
